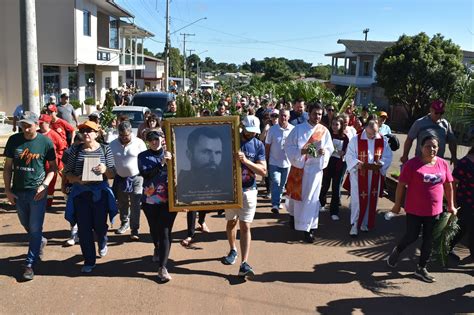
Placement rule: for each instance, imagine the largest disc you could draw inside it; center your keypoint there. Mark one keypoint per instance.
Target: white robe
(306, 211)
(352, 159)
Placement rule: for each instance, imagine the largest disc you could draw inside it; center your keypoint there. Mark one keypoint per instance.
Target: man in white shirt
(278, 161)
(127, 182)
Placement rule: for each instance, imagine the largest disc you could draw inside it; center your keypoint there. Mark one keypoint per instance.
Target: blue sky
(238, 30)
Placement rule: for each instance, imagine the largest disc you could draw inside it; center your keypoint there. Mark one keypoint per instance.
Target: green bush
(89, 101)
(75, 103)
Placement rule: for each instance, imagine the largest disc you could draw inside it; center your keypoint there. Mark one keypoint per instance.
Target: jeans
(31, 214)
(91, 217)
(414, 224)
(278, 177)
(129, 204)
(161, 221)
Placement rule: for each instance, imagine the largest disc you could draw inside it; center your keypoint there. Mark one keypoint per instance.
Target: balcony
(108, 56)
(127, 62)
(357, 81)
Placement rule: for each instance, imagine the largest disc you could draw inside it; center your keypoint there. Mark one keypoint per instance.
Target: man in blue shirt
(252, 159)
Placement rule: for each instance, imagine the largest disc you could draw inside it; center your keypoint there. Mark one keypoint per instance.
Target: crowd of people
(300, 151)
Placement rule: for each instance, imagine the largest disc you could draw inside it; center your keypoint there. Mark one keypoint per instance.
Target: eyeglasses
(86, 130)
(274, 115)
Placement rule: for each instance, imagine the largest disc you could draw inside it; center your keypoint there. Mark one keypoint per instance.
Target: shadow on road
(452, 301)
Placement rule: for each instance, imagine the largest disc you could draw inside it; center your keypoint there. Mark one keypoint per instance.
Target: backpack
(393, 142)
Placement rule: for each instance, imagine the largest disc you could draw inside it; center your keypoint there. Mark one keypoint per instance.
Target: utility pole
(190, 52)
(29, 56)
(366, 31)
(184, 55)
(167, 48)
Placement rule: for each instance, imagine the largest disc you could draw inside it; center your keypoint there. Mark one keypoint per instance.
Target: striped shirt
(74, 161)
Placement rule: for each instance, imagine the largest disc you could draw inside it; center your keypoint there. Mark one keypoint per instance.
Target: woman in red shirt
(425, 179)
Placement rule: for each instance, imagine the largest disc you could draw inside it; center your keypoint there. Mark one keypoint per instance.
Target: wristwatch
(44, 185)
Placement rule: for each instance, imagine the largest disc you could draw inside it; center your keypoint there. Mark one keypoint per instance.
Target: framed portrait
(204, 173)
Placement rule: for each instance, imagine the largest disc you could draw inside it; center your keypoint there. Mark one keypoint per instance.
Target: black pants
(332, 173)
(161, 221)
(191, 219)
(414, 224)
(466, 225)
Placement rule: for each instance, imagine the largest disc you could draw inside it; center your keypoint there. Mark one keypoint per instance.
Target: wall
(86, 45)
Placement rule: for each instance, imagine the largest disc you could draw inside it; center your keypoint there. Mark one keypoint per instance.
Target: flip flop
(187, 241)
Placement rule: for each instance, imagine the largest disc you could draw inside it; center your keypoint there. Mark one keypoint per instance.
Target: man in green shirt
(26, 154)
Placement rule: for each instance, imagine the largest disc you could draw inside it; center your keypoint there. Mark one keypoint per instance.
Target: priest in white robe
(306, 173)
(368, 158)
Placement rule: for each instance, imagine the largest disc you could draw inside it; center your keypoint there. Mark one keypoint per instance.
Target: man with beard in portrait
(207, 179)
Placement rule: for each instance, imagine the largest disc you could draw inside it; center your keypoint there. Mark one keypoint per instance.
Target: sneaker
(123, 228)
(392, 259)
(230, 258)
(87, 269)
(134, 235)
(70, 242)
(275, 210)
(103, 252)
(163, 275)
(44, 241)
(335, 217)
(424, 275)
(364, 228)
(155, 258)
(354, 230)
(308, 237)
(28, 273)
(280, 207)
(246, 270)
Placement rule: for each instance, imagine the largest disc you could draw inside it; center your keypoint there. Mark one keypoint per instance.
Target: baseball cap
(153, 135)
(437, 105)
(45, 118)
(52, 108)
(64, 95)
(251, 124)
(29, 118)
(52, 99)
(383, 114)
(89, 124)
(94, 115)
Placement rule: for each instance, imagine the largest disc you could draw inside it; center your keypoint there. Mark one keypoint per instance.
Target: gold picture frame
(204, 173)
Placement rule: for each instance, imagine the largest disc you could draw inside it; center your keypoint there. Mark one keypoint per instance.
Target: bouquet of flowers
(313, 149)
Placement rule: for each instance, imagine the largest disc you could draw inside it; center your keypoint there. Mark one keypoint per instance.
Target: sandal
(187, 241)
(204, 228)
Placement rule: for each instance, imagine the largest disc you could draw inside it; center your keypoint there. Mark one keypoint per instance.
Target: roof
(365, 47)
(338, 54)
(117, 10)
(468, 54)
(153, 58)
(131, 29)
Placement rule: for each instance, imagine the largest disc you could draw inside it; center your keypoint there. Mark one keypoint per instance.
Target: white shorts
(247, 212)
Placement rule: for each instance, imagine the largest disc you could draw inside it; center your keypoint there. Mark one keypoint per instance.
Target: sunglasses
(86, 130)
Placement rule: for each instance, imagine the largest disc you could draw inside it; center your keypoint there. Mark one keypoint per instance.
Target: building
(151, 77)
(82, 47)
(355, 65)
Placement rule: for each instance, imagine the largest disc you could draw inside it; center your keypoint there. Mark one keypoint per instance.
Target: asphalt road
(335, 275)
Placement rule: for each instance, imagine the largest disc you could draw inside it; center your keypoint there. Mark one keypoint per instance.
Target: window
(107, 83)
(72, 83)
(113, 33)
(51, 76)
(366, 68)
(86, 15)
(89, 73)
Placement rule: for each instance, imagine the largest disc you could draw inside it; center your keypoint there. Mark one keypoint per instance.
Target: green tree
(276, 70)
(148, 52)
(176, 62)
(321, 71)
(298, 66)
(417, 69)
(208, 65)
(256, 66)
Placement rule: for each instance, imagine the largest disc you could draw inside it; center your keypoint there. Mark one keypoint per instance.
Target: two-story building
(150, 78)
(82, 46)
(355, 65)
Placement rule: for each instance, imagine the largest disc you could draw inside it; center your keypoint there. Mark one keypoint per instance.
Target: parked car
(156, 101)
(135, 114)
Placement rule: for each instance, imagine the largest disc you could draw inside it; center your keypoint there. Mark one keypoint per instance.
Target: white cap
(251, 123)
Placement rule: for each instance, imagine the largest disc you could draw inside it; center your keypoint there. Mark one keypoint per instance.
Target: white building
(151, 77)
(81, 49)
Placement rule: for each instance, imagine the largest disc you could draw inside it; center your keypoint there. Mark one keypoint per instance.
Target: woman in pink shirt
(426, 179)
